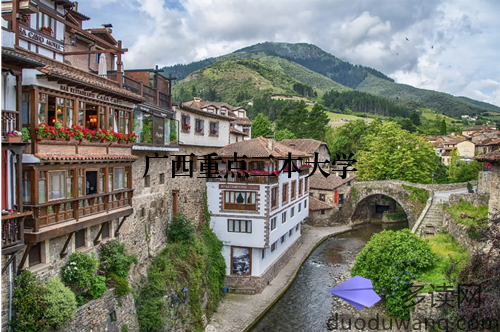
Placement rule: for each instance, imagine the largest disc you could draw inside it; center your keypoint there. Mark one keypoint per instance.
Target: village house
(311, 146)
(472, 130)
(332, 192)
(241, 125)
(257, 217)
(493, 183)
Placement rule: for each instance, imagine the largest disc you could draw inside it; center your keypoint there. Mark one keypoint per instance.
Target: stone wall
(317, 219)
(340, 214)
(459, 232)
(435, 187)
(475, 199)
(484, 182)
(97, 315)
(494, 203)
(253, 285)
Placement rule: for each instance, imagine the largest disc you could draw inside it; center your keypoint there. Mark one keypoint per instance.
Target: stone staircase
(433, 219)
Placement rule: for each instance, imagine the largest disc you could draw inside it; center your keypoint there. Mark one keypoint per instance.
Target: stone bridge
(407, 194)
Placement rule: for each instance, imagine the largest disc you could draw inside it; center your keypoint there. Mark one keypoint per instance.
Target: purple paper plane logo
(357, 291)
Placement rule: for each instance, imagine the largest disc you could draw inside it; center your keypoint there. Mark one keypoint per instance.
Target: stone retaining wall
(253, 285)
(475, 199)
(435, 187)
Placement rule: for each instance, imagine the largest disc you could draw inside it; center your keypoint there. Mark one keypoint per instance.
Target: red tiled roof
(257, 147)
(490, 156)
(81, 157)
(202, 104)
(315, 205)
(105, 32)
(236, 131)
(303, 144)
(319, 181)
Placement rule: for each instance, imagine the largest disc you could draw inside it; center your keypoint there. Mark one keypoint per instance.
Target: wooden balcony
(271, 179)
(9, 121)
(60, 217)
(13, 232)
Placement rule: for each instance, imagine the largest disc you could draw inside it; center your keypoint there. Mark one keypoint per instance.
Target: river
(307, 305)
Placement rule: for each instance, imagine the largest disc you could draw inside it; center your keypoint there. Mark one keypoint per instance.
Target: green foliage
(298, 120)
(121, 284)
(181, 229)
(422, 195)
(465, 213)
(389, 260)
(112, 258)
(280, 135)
(261, 126)
(388, 152)
(346, 139)
(61, 302)
(394, 216)
(443, 130)
(124, 328)
(79, 271)
(354, 194)
(460, 171)
(97, 287)
(25, 134)
(316, 123)
(31, 307)
(449, 255)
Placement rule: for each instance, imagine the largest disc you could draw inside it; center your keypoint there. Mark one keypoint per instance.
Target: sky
(451, 46)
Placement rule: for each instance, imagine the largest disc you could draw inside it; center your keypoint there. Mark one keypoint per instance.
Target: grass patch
(395, 216)
(464, 213)
(336, 117)
(421, 195)
(448, 253)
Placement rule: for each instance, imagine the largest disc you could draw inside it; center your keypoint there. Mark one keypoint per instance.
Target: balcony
(58, 218)
(9, 121)
(271, 179)
(13, 232)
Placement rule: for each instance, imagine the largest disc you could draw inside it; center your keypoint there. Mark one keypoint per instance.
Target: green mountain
(309, 65)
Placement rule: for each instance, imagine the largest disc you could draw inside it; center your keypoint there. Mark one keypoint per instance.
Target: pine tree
(317, 122)
(261, 126)
(298, 120)
(443, 131)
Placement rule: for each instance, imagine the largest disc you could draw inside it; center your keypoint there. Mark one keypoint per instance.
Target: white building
(257, 218)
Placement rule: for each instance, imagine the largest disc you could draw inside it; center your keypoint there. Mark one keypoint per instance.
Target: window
(26, 108)
(147, 181)
(239, 226)
(285, 193)
(305, 204)
(119, 178)
(301, 183)
(26, 186)
(306, 186)
(35, 254)
(322, 197)
(162, 178)
(273, 246)
(199, 126)
(105, 230)
(274, 196)
(241, 260)
(91, 182)
(185, 123)
(294, 188)
(240, 200)
(263, 253)
(300, 206)
(283, 217)
(292, 213)
(283, 238)
(322, 211)
(311, 194)
(97, 56)
(214, 128)
(297, 227)
(341, 198)
(80, 239)
(273, 223)
(290, 232)
(56, 185)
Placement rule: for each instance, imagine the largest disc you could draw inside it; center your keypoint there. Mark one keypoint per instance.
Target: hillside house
(310, 146)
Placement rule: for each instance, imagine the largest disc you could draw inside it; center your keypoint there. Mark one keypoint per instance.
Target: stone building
(320, 213)
(494, 181)
(310, 146)
(334, 192)
(258, 216)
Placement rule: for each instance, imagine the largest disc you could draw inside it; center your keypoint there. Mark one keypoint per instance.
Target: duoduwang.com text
(381, 324)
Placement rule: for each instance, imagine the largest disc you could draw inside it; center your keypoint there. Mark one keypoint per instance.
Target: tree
(345, 139)
(61, 302)
(261, 126)
(415, 118)
(298, 120)
(442, 130)
(280, 135)
(316, 123)
(390, 152)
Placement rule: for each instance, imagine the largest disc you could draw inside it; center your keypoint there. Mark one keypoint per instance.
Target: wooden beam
(95, 52)
(4, 268)
(25, 256)
(117, 232)
(96, 240)
(64, 250)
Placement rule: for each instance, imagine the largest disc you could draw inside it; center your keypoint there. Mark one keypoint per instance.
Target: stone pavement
(236, 312)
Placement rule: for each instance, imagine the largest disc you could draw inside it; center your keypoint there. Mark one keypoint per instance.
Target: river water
(307, 305)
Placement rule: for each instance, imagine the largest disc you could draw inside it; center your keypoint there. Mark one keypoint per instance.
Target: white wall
(192, 138)
(8, 92)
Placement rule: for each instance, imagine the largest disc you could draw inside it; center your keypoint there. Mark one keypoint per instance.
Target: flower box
(13, 138)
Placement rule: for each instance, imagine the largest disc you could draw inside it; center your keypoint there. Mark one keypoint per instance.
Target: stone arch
(406, 208)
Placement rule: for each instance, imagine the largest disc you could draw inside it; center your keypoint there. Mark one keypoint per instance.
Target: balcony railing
(131, 85)
(52, 213)
(9, 121)
(164, 100)
(149, 94)
(271, 179)
(13, 230)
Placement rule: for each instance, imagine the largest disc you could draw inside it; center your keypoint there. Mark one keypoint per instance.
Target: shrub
(25, 134)
(391, 260)
(181, 229)
(79, 271)
(422, 195)
(121, 284)
(113, 259)
(28, 300)
(61, 302)
(97, 287)
(124, 328)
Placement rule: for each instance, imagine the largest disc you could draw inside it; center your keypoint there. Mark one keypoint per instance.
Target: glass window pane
(41, 192)
(69, 187)
(231, 224)
(236, 225)
(56, 185)
(81, 118)
(27, 191)
(101, 183)
(41, 113)
(80, 186)
(119, 178)
(110, 181)
(243, 225)
(26, 112)
(249, 226)
(110, 119)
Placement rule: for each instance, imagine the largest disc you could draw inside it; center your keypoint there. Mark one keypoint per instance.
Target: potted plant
(46, 30)
(213, 132)
(25, 19)
(199, 130)
(186, 127)
(77, 132)
(100, 135)
(131, 138)
(43, 131)
(13, 136)
(60, 131)
(110, 137)
(25, 134)
(88, 134)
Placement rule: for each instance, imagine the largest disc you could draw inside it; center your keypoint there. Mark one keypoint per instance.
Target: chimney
(75, 6)
(197, 99)
(270, 143)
